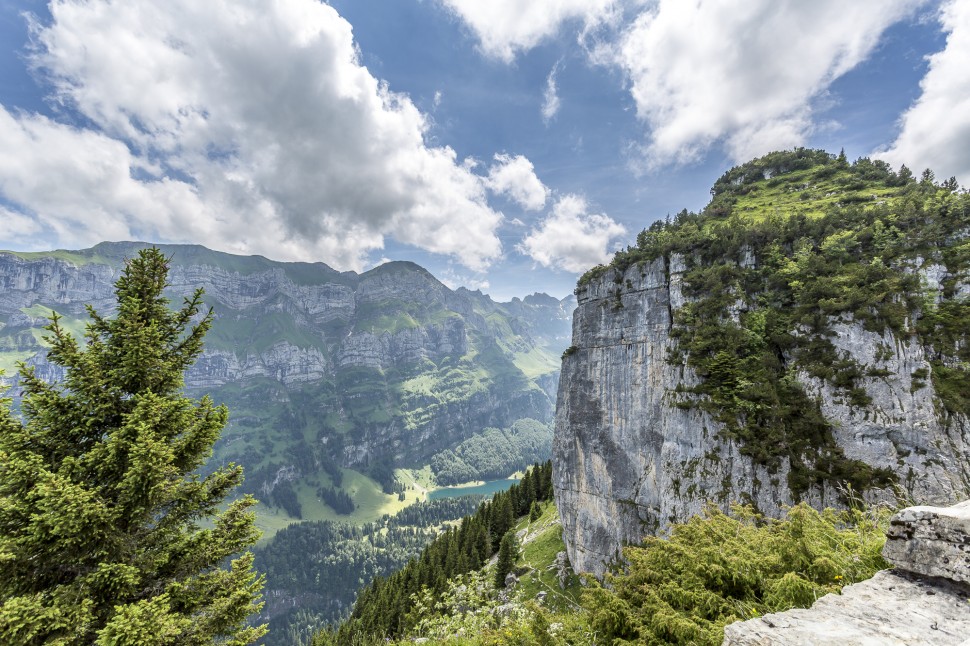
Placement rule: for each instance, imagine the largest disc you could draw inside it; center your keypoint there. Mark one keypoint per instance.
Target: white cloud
(744, 74)
(516, 177)
(550, 98)
(243, 125)
(79, 185)
(570, 238)
(507, 27)
(935, 131)
(18, 227)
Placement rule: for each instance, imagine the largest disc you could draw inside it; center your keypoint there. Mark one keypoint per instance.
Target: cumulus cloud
(742, 75)
(507, 27)
(516, 177)
(79, 183)
(243, 125)
(550, 98)
(570, 237)
(935, 131)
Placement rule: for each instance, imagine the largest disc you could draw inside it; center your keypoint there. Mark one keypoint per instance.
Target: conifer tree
(102, 505)
(508, 552)
(535, 512)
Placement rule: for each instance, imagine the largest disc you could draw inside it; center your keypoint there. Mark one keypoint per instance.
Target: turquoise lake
(486, 489)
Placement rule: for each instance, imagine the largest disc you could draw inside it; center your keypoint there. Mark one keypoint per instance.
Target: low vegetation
(713, 570)
(322, 564)
(383, 607)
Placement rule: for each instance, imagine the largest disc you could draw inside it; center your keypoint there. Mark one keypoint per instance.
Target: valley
(809, 357)
(458, 323)
(351, 397)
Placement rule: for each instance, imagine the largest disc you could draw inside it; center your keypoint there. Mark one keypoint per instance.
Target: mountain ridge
(322, 369)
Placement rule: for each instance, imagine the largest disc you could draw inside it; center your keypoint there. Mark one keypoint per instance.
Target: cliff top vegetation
(791, 244)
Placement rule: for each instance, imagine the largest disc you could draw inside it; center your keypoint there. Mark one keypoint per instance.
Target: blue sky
(503, 145)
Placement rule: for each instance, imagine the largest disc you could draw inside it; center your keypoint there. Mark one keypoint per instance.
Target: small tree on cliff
(101, 501)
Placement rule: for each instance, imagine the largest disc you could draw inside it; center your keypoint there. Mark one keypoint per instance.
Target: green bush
(719, 568)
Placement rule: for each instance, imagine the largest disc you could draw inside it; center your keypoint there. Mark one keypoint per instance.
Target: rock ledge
(924, 600)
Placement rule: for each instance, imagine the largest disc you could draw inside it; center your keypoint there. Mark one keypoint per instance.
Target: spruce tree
(109, 533)
(535, 512)
(508, 553)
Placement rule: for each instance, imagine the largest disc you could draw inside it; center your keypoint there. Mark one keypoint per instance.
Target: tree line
(314, 569)
(382, 607)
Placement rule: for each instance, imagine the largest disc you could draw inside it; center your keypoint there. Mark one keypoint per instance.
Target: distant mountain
(322, 370)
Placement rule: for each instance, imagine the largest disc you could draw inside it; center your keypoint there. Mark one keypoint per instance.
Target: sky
(506, 146)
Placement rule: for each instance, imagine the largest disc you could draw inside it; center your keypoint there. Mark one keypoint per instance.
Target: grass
(76, 258)
(371, 503)
(802, 192)
(542, 543)
(9, 361)
(10, 356)
(537, 362)
(77, 327)
(418, 481)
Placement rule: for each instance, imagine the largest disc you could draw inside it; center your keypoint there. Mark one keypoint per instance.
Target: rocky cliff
(734, 358)
(319, 368)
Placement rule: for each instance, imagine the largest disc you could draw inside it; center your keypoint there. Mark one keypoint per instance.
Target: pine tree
(508, 553)
(101, 500)
(535, 512)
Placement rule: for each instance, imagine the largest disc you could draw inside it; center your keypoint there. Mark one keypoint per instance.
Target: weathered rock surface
(925, 600)
(628, 462)
(890, 608)
(932, 541)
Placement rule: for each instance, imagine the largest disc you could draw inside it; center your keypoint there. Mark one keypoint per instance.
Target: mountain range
(335, 380)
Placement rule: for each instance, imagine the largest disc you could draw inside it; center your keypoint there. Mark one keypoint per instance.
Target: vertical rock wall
(628, 462)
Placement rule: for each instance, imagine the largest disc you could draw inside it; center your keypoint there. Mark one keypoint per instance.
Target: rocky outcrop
(931, 541)
(924, 600)
(628, 461)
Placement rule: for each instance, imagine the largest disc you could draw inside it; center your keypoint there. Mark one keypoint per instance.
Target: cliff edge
(925, 599)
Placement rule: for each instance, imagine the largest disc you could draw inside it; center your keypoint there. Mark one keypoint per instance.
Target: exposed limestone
(931, 541)
(889, 609)
(627, 461)
(925, 600)
(293, 325)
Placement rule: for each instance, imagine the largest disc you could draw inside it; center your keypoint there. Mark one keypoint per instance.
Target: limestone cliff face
(627, 461)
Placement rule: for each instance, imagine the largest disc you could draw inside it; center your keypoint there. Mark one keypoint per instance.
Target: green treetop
(108, 532)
